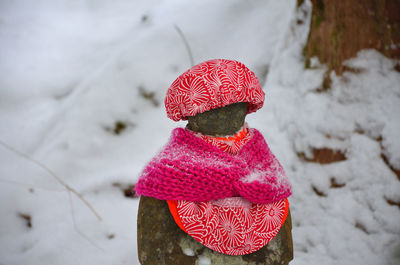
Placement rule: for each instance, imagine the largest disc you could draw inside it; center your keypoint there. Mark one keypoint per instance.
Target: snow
(203, 260)
(71, 70)
(188, 252)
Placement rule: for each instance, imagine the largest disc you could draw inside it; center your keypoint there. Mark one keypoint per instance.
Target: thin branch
(186, 44)
(75, 225)
(30, 185)
(50, 172)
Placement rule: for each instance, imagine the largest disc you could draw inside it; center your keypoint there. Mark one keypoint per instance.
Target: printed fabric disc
(233, 226)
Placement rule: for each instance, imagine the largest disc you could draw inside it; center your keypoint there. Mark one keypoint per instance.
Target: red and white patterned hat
(210, 85)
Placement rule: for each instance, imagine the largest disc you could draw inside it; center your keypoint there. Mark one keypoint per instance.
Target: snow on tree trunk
(340, 29)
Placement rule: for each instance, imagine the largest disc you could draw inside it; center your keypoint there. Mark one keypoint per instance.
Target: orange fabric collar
(230, 144)
(235, 138)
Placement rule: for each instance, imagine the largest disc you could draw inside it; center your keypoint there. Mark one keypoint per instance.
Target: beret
(210, 85)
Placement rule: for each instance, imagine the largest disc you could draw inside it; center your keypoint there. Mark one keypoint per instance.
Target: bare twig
(186, 44)
(30, 185)
(50, 172)
(76, 227)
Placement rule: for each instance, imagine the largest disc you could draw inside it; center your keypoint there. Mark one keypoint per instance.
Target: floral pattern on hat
(210, 85)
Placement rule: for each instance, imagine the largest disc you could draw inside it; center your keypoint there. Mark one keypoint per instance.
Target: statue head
(214, 96)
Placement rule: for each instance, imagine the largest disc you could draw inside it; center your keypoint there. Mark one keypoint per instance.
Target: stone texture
(221, 121)
(162, 242)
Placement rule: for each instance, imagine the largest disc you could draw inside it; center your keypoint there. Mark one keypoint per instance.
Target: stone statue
(215, 194)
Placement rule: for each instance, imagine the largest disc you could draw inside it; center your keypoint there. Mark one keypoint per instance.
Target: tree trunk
(341, 28)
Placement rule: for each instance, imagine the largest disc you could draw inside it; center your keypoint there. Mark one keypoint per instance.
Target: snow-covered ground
(72, 70)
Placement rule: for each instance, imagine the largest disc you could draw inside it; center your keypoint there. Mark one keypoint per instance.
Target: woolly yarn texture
(190, 169)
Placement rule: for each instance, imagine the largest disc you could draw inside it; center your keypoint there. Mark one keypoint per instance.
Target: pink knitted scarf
(190, 169)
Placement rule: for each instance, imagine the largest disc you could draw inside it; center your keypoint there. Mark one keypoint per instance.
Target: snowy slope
(73, 70)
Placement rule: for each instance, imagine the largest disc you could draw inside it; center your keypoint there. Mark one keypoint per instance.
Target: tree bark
(341, 28)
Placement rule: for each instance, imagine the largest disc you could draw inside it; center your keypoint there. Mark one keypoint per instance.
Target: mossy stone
(162, 242)
(221, 121)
